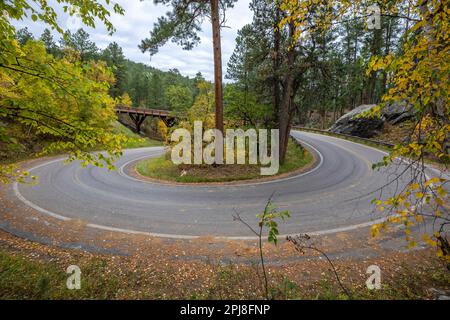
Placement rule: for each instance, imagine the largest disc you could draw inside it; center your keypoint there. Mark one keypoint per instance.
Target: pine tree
(23, 36)
(182, 24)
(114, 57)
(80, 42)
(50, 44)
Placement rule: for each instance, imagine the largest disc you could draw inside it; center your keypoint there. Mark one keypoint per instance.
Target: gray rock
(353, 125)
(397, 113)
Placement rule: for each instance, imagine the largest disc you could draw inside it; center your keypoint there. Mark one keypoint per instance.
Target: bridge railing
(152, 112)
(347, 136)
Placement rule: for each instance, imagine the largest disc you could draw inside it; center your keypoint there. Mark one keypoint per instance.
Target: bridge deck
(138, 115)
(147, 112)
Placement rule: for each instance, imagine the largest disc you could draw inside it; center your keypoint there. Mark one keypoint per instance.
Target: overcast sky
(136, 24)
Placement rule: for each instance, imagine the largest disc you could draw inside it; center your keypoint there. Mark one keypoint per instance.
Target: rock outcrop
(350, 123)
(397, 113)
(353, 125)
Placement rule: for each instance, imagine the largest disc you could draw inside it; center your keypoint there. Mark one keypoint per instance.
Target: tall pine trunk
(217, 76)
(276, 60)
(286, 107)
(375, 50)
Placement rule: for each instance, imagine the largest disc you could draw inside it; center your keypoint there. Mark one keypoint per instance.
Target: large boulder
(351, 123)
(397, 113)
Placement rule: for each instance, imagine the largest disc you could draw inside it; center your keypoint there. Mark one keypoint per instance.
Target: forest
(147, 87)
(298, 66)
(331, 69)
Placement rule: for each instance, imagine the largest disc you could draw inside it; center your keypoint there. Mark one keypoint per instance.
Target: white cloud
(136, 24)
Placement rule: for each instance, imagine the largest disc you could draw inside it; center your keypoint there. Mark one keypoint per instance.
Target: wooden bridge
(138, 115)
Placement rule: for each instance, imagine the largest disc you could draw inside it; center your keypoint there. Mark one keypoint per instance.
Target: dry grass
(162, 168)
(33, 271)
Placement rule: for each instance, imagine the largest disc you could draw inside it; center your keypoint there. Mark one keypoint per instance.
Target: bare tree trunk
(285, 115)
(276, 60)
(355, 55)
(287, 104)
(387, 49)
(375, 50)
(217, 76)
(335, 110)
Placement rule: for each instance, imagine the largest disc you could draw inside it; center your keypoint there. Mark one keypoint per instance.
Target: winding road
(333, 196)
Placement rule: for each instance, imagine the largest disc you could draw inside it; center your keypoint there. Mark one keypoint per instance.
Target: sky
(136, 24)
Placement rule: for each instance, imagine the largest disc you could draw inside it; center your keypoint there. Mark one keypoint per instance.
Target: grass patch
(26, 277)
(134, 140)
(162, 168)
(23, 278)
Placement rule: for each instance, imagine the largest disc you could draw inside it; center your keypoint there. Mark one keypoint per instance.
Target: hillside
(27, 144)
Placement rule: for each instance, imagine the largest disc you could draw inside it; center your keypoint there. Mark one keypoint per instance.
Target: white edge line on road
(176, 236)
(36, 207)
(187, 237)
(243, 184)
(436, 171)
(428, 167)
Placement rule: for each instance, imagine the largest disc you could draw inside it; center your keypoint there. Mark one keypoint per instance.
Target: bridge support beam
(168, 121)
(138, 119)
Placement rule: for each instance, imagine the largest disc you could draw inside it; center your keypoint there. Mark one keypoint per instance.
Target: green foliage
(23, 35)
(181, 24)
(241, 105)
(88, 11)
(60, 98)
(164, 169)
(240, 65)
(251, 64)
(50, 44)
(414, 76)
(80, 42)
(22, 278)
(133, 140)
(201, 110)
(60, 93)
(268, 219)
(179, 98)
(329, 65)
(114, 57)
(146, 86)
(63, 99)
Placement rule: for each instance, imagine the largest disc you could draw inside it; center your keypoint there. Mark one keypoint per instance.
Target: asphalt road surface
(333, 196)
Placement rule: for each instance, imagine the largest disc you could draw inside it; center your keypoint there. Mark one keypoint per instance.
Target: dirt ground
(134, 266)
